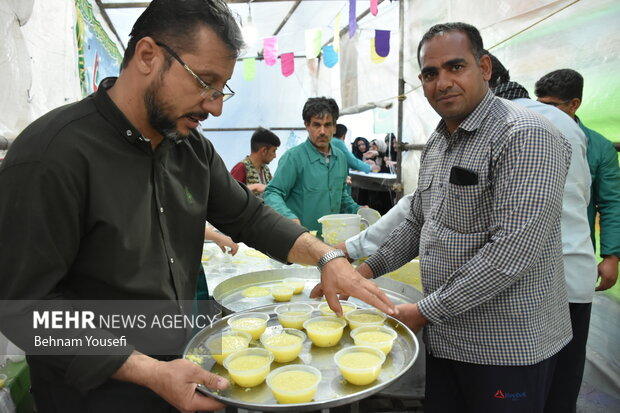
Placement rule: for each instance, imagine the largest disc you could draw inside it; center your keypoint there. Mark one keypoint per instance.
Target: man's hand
(175, 381)
(607, 272)
(339, 277)
(343, 247)
(257, 187)
(411, 316)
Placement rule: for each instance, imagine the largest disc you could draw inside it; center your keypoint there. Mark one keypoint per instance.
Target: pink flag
(270, 50)
(288, 63)
(374, 8)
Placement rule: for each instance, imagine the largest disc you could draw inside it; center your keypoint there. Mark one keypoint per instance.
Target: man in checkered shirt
(485, 222)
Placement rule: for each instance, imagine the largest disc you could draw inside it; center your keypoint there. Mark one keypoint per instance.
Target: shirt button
(161, 209)
(171, 260)
(441, 184)
(128, 132)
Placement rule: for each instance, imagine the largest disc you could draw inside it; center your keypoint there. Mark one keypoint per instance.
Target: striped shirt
(485, 222)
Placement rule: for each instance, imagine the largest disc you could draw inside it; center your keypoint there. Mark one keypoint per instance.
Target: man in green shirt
(310, 181)
(564, 89)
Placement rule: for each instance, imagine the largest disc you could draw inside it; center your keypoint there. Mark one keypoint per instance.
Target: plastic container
(359, 365)
(325, 331)
(347, 306)
(3, 379)
(365, 317)
(249, 367)
(222, 345)
(380, 337)
(285, 344)
(293, 315)
(252, 323)
(337, 228)
(294, 383)
(282, 292)
(298, 283)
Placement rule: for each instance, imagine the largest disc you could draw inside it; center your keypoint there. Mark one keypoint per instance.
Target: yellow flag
(373, 53)
(337, 33)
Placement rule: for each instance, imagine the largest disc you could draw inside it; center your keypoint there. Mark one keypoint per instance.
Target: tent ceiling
(286, 19)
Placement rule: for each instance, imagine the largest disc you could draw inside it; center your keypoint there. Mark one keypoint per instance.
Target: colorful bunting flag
(270, 50)
(373, 53)
(374, 7)
(330, 57)
(352, 18)
(287, 60)
(337, 33)
(313, 43)
(249, 68)
(382, 42)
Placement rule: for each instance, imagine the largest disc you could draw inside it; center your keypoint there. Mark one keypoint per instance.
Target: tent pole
(398, 187)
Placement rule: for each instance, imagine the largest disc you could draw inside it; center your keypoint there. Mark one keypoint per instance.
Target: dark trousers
(454, 386)
(571, 361)
(112, 397)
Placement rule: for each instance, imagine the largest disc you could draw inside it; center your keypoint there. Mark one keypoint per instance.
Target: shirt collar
(474, 119)
(113, 114)
(314, 153)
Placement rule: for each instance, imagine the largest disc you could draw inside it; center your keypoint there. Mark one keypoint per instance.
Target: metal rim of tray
(406, 340)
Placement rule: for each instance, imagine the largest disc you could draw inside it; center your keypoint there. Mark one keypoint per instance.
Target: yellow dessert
(222, 346)
(293, 315)
(359, 365)
(253, 292)
(325, 331)
(294, 384)
(252, 323)
(297, 283)
(364, 317)
(282, 292)
(249, 370)
(328, 312)
(380, 337)
(285, 345)
(256, 254)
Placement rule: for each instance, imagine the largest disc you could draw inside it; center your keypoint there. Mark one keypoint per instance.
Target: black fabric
(571, 361)
(510, 91)
(453, 386)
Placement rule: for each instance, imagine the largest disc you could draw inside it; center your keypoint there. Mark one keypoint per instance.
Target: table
(372, 181)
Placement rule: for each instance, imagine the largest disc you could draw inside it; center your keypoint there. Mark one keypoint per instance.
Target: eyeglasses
(206, 91)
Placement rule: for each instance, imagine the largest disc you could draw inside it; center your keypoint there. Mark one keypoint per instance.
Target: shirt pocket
(466, 208)
(424, 186)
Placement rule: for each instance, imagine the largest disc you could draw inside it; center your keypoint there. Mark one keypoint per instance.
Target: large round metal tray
(333, 390)
(229, 293)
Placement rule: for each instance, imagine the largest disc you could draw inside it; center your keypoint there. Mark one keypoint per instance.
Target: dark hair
(499, 73)
(176, 23)
(358, 154)
(475, 40)
(263, 137)
(565, 84)
(320, 107)
(341, 131)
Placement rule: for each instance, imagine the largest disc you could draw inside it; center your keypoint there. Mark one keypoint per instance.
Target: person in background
(116, 189)
(253, 170)
(577, 250)
(311, 178)
(352, 161)
(392, 143)
(485, 222)
(377, 154)
(359, 147)
(564, 89)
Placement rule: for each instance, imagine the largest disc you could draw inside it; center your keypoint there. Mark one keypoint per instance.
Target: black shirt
(89, 211)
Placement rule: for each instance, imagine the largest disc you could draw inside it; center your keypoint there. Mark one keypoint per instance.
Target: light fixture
(248, 30)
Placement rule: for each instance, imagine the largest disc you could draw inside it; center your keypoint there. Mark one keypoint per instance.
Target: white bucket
(338, 228)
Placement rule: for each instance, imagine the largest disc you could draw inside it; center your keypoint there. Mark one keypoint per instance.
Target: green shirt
(306, 187)
(605, 191)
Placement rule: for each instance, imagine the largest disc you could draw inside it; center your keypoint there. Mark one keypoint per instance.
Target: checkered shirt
(490, 253)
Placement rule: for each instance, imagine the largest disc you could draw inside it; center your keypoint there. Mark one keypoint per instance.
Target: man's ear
(147, 55)
(486, 66)
(573, 105)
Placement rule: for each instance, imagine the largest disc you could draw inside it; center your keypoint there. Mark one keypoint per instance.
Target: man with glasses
(106, 199)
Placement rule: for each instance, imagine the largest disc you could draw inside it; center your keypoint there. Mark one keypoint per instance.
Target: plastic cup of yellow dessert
(282, 292)
(252, 323)
(325, 331)
(359, 365)
(249, 367)
(293, 315)
(3, 378)
(296, 383)
(298, 283)
(347, 307)
(285, 344)
(364, 317)
(222, 345)
(380, 337)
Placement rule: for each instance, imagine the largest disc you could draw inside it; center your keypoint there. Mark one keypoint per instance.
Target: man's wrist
(328, 256)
